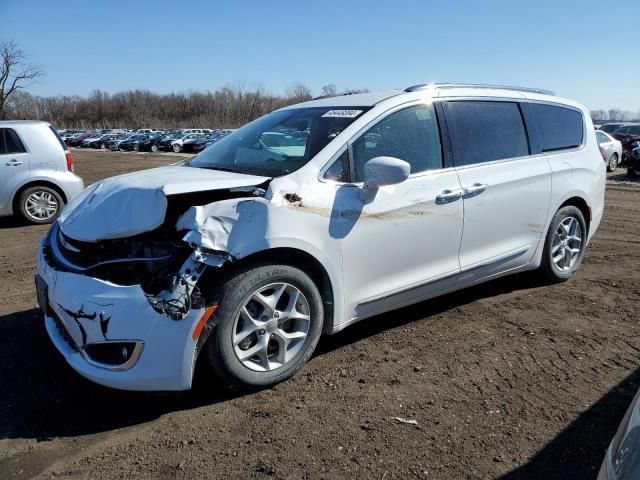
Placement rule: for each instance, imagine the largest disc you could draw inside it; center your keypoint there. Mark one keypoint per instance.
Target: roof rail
(426, 86)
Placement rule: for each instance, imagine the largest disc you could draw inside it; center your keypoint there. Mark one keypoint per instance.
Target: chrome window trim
(431, 101)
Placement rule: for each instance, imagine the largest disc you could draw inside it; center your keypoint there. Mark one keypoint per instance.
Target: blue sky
(576, 48)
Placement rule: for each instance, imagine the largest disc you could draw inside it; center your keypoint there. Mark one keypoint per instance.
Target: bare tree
(15, 72)
(299, 93)
(329, 90)
(615, 114)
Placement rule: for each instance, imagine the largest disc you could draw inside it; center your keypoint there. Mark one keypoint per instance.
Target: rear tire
(176, 148)
(153, 148)
(40, 205)
(612, 164)
(283, 340)
(564, 245)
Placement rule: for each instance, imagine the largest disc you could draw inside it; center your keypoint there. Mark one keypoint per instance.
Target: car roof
(350, 100)
(435, 90)
(23, 122)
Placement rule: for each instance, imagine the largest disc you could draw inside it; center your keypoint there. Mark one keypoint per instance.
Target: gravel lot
(511, 379)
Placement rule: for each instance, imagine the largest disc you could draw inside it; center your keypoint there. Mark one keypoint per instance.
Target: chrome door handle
(13, 163)
(475, 189)
(449, 196)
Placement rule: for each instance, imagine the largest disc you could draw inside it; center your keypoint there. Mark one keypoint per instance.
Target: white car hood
(135, 203)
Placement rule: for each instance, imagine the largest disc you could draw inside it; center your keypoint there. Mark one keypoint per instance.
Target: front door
(14, 166)
(402, 244)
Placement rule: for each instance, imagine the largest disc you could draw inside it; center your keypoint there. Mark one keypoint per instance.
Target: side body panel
(503, 224)
(14, 172)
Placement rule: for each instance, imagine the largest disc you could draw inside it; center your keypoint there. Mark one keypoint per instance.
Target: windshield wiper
(222, 169)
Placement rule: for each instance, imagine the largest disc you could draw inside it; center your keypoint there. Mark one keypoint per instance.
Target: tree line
(615, 115)
(227, 107)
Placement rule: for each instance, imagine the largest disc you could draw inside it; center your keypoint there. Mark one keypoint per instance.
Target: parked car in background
(633, 162)
(611, 149)
(627, 134)
(198, 144)
(248, 252)
(100, 142)
(202, 143)
(611, 127)
(187, 144)
(174, 142)
(114, 143)
(36, 171)
(93, 138)
(145, 130)
(69, 134)
(133, 143)
(150, 143)
(77, 140)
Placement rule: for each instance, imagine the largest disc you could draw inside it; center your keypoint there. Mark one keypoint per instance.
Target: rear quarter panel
(579, 173)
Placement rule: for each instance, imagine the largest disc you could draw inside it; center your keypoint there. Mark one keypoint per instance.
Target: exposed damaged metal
(183, 294)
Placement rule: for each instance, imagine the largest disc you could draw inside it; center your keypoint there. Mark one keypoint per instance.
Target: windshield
(279, 143)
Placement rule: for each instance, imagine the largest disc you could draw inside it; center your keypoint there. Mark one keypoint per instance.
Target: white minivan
(310, 219)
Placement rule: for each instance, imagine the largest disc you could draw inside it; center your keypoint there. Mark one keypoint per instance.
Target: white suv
(251, 250)
(36, 171)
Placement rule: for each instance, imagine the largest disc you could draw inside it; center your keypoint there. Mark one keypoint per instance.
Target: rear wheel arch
(582, 205)
(36, 183)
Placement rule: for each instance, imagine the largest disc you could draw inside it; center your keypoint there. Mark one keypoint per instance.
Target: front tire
(269, 322)
(40, 205)
(176, 148)
(612, 164)
(564, 245)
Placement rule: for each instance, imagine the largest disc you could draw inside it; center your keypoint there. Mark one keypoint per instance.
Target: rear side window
(58, 137)
(486, 131)
(560, 127)
(10, 142)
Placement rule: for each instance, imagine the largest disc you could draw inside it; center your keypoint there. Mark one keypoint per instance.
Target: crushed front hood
(135, 203)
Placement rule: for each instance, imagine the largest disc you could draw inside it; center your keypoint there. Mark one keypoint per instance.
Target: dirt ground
(510, 380)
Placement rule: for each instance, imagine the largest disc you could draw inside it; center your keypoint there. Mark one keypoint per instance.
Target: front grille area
(149, 260)
(81, 254)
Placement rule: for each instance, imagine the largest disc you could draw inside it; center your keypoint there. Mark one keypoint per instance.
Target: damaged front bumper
(120, 336)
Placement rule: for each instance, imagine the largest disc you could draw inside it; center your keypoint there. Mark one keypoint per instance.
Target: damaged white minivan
(312, 218)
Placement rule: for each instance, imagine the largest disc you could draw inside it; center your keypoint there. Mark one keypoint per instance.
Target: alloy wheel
(271, 327)
(41, 205)
(567, 244)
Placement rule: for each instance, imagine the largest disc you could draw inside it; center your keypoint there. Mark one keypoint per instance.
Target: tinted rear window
(560, 127)
(486, 131)
(10, 142)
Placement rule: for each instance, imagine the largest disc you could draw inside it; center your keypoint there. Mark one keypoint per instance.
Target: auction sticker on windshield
(343, 113)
